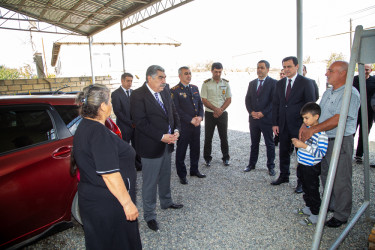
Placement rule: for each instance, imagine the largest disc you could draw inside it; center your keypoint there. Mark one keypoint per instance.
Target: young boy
(309, 156)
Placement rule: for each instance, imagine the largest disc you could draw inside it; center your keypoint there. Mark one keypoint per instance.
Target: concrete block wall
(12, 87)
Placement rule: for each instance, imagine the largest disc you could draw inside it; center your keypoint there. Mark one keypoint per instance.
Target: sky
(237, 33)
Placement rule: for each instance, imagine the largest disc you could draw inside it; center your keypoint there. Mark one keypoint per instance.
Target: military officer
(216, 97)
(190, 109)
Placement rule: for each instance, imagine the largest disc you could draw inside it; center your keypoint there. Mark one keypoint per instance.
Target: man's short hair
(216, 65)
(153, 71)
(293, 58)
(312, 108)
(181, 68)
(123, 76)
(266, 63)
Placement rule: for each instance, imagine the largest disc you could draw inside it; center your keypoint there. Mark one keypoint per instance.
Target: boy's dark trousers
(310, 186)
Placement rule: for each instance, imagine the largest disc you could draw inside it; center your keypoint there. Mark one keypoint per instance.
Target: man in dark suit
(157, 127)
(259, 105)
(121, 107)
(189, 107)
(370, 91)
(292, 92)
(316, 89)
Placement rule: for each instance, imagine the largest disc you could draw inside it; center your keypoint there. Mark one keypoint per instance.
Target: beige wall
(12, 87)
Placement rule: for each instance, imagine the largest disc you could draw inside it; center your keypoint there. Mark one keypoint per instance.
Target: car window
(21, 128)
(70, 115)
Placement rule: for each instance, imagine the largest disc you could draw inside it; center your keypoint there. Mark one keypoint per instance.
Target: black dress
(97, 151)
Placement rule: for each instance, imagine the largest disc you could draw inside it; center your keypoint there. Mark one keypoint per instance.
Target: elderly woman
(106, 189)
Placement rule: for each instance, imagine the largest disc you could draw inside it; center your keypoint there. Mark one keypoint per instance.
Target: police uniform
(216, 93)
(188, 105)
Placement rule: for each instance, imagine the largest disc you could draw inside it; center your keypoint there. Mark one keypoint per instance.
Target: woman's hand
(131, 211)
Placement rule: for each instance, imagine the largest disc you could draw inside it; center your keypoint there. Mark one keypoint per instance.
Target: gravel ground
(233, 210)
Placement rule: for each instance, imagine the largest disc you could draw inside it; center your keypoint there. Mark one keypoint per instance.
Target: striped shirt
(315, 151)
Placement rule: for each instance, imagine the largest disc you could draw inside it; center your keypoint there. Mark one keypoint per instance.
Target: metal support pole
(122, 48)
(351, 32)
(351, 224)
(300, 36)
(92, 67)
(364, 127)
(338, 141)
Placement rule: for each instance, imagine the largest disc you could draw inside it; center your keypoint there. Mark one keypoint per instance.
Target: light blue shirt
(331, 105)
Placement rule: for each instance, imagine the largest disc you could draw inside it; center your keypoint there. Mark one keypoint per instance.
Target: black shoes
(153, 225)
(333, 222)
(358, 159)
(175, 206)
(249, 168)
(280, 180)
(299, 188)
(198, 174)
(183, 181)
(208, 163)
(271, 172)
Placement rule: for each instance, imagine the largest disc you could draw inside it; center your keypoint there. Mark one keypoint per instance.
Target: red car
(36, 188)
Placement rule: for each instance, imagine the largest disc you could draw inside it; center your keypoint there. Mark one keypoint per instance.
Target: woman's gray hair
(153, 71)
(90, 99)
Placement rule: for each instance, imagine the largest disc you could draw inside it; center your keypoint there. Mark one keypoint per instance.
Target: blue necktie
(162, 106)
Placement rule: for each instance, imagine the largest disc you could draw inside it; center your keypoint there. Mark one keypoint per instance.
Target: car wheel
(75, 209)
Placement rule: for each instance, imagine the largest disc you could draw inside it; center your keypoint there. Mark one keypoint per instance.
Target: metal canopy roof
(83, 17)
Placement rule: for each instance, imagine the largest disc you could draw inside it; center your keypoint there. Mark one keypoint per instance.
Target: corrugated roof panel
(81, 16)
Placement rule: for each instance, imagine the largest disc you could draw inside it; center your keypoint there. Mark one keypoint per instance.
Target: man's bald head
(336, 74)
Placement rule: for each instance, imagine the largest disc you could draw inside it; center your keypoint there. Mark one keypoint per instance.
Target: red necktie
(288, 89)
(259, 87)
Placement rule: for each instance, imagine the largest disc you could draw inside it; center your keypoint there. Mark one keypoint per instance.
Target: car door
(36, 188)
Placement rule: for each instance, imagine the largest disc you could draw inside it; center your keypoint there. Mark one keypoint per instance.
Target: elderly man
(341, 199)
(259, 105)
(370, 91)
(157, 127)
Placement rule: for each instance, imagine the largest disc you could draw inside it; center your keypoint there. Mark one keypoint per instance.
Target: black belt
(331, 139)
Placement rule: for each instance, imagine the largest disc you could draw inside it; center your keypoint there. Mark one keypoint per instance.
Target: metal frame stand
(362, 52)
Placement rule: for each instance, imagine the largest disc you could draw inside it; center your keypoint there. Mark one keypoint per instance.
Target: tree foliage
(8, 73)
(335, 57)
(25, 72)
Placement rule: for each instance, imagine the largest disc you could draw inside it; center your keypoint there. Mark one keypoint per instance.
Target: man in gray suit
(157, 127)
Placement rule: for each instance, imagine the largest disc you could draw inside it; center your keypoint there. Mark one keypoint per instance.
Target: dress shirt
(153, 93)
(126, 90)
(291, 83)
(262, 82)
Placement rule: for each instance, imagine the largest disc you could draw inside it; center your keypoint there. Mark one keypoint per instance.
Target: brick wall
(12, 87)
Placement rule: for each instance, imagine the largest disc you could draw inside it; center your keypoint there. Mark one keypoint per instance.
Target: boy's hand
(298, 144)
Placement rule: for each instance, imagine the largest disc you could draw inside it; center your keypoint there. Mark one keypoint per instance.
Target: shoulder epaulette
(207, 80)
(192, 85)
(175, 87)
(224, 79)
